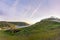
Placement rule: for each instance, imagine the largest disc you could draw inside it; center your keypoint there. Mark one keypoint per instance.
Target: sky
(30, 11)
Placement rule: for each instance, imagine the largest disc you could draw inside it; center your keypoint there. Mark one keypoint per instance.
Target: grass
(4, 36)
(44, 30)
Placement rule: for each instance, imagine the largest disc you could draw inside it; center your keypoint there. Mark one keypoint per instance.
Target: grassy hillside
(44, 30)
(4, 24)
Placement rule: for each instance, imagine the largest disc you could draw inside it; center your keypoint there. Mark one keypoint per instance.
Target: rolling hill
(19, 23)
(8, 25)
(43, 30)
(46, 29)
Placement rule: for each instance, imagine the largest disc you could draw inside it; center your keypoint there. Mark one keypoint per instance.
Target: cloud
(23, 9)
(31, 10)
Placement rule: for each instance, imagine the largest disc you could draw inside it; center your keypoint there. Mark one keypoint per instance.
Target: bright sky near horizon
(28, 10)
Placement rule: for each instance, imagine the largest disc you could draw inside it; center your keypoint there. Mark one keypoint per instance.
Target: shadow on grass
(12, 32)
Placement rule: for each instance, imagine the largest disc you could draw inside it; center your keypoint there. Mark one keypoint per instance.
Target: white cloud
(30, 12)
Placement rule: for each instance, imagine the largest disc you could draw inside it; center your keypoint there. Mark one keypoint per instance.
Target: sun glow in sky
(28, 10)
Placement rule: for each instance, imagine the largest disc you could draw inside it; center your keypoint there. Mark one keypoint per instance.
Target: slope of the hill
(43, 30)
(5, 24)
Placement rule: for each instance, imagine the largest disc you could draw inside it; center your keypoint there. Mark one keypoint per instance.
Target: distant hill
(19, 23)
(53, 19)
(5, 24)
(15, 23)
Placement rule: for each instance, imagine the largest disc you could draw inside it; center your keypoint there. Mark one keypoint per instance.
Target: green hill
(19, 23)
(4, 24)
(8, 25)
(43, 30)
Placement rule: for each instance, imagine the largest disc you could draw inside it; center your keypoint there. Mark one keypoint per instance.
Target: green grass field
(44, 30)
